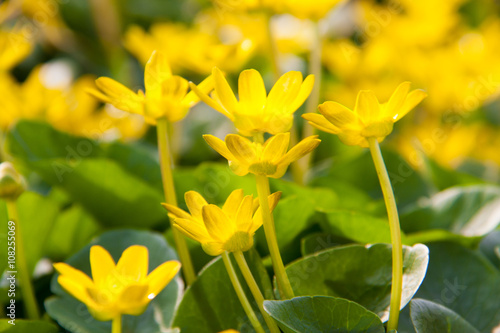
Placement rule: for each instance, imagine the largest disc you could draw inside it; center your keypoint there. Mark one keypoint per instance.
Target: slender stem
(116, 325)
(22, 264)
(397, 246)
(263, 191)
(273, 47)
(300, 167)
(241, 294)
(254, 288)
(169, 190)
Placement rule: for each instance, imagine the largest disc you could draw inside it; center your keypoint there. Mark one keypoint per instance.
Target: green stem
(264, 192)
(241, 294)
(397, 246)
(169, 190)
(273, 48)
(254, 288)
(22, 264)
(116, 325)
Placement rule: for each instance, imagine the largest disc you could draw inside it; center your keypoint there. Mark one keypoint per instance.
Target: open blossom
(270, 159)
(230, 228)
(166, 94)
(369, 117)
(117, 289)
(255, 111)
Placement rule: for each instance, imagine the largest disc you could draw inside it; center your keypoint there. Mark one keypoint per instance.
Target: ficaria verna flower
(166, 94)
(257, 112)
(270, 159)
(369, 118)
(230, 228)
(114, 290)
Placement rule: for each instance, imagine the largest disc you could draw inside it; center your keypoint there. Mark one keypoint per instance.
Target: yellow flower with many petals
(166, 94)
(255, 112)
(114, 290)
(270, 159)
(369, 118)
(230, 228)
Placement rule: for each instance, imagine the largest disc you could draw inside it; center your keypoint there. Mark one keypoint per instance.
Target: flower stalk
(273, 47)
(397, 246)
(169, 190)
(254, 288)
(116, 325)
(241, 294)
(22, 264)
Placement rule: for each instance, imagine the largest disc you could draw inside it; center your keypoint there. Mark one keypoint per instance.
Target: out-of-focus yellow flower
(117, 289)
(313, 10)
(14, 48)
(230, 228)
(369, 118)
(255, 112)
(270, 159)
(166, 94)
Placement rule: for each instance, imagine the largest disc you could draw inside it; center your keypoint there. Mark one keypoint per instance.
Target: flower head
(369, 118)
(12, 184)
(166, 94)
(116, 289)
(270, 159)
(255, 111)
(313, 10)
(230, 228)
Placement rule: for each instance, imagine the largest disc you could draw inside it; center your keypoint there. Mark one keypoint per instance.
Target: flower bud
(12, 184)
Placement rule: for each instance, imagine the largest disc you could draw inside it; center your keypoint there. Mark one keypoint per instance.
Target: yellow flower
(166, 94)
(124, 288)
(14, 48)
(270, 159)
(314, 10)
(369, 118)
(230, 228)
(255, 112)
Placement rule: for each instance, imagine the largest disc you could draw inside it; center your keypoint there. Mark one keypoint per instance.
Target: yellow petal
(284, 92)
(367, 106)
(275, 147)
(224, 91)
(134, 262)
(195, 203)
(213, 248)
(74, 274)
(252, 91)
(241, 148)
(209, 101)
(161, 276)
(204, 87)
(174, 89)
(338, 115)
(320, 122)
(219, 146)
(76, 290)
(300, 149)
(257, 217)
(193, 229)
(133, 299)
(353, 138)
(218, 225)
(412, 100)
(244, 214)
(304, 92)
(175, 211)
(101, 263)
(157, 70)
(232, 203)
(120, 96)
(397, 99)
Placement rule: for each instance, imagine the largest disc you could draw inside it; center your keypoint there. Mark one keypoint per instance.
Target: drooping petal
(101, 263)
(224, 91)
(338, 115)
(134, 262)
(275, 147)
(252, 91)
(195, 203)
(218, 225)
(120, 96)
(161, 276)
(76, 290)
(174, 89)
(241, 148)
(209, 101)
(175, 212)
(353, 138)
(284, 92)
(300, 149)
(219, 146)
(244, 214)
(232, 203)
(412, 100)
(397, 99)
(133, 299)
(205, 87)
(193, 229)
(304, 92)
(74, 274)
(320, 122)
(157, 70)
(367, 106)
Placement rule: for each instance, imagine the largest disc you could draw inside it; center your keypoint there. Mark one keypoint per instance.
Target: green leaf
(322, 199)
(318, 314)
(23, 326)
(210, 304)
(443, 177)
(359, 273)
(464, 210)
(439, 235)
(74, 316)
(490, 247)
(319, 241)
(430, 317)
(465, 282)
